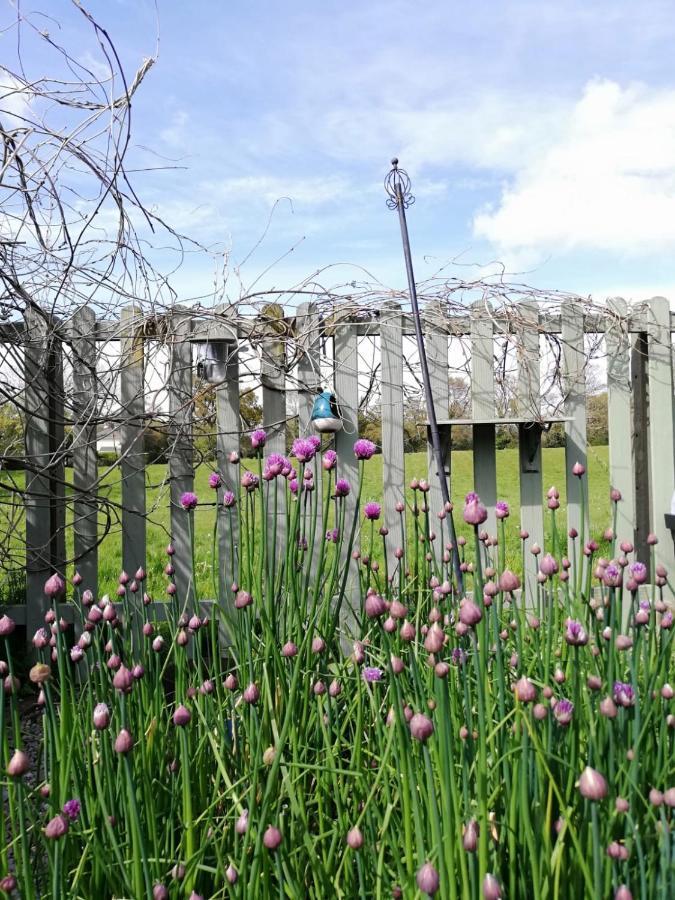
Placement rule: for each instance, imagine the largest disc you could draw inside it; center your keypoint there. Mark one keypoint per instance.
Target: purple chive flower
(612, 575)
(371, 674)
(329, 460)
(332, 535)
(458, 656)
(575, 634)
(55, 586)
(215, 480)
(189, 500)
(638, 572)
(364, 449)
(71, 808)
(249, 481)
(474, 511)
(258, 439)
(342, 487)
(275, 465)
(229, 499)
(624, 694)
(563, 712)
(548, 566)
(293, 486)
(372, 511)
(502, 510)
(303, 450)
(427, 879)
(315, 441)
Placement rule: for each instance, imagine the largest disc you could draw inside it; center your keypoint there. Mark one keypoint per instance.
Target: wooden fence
(640, 396)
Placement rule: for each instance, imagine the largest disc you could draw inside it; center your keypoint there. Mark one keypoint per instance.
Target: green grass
(158, 529)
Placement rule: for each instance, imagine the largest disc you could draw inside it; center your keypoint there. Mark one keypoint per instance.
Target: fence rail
(640, 401)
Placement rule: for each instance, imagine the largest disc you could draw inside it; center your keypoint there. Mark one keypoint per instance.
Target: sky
(539, 137)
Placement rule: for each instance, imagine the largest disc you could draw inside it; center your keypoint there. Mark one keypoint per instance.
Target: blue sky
(539, 135)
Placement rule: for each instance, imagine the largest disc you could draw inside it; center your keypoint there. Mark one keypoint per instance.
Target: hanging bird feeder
(325, 416)
(212, 361)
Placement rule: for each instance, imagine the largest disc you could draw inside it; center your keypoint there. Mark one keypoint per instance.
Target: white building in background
(109, 439)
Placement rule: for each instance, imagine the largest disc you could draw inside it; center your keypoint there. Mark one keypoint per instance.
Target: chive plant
(496, 744)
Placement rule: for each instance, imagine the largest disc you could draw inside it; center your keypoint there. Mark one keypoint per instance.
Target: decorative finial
(397, 186)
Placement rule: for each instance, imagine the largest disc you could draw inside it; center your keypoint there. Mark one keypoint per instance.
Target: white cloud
(604, 181)
(308, 191)
(175, 133)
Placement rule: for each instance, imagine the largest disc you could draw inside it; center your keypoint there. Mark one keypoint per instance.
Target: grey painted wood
(574, 385)
(132, 413)
(346, 383)
(436, 343)
(228, 425)
(640, 442)
(308, 324)
(273, 379)
(617, 341)
(84, 456)
(393, 473)
(44, 491)
(181, 461)
(483, 405)
(661, 438)
(529, 405)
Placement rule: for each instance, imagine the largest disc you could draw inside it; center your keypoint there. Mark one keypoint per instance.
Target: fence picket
(309, 384)
(228, 427)
(273, 379)
(483, 407)
(85, 460)
(436, 343)
(393, 473)
(574, 380)
(345, 355)
(640, 441)
(132, 400)
(661, 440)
(617, 341)
(181, 462)
(529, 406)
(44, 491)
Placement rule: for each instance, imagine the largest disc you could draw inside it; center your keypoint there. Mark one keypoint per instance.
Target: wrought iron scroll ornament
(397, 186)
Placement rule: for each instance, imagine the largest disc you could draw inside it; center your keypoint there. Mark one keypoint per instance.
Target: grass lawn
(110, 552)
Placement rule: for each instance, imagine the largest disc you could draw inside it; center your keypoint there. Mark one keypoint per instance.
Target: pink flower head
(638, 572)
(55, 586)
(421, 727)
(342, 487)
(249, 480)
(189, 500)
(181, 716)
(303, 450)
(7, 626)
(275, 465)
(371, 674)
(56, 827)
(428, 880)
(563, 712)
(372, 511)
(509, 581)
(71, 808)
(548, 566)
(215, 480)
(612, 576)
(592, 784)
(502, 510)
(578, 469)
(474, 511)
(575, 634)
(258, 439)
(364, 449)
(374, 606)
(329, 460)
(624, 694)
(229, 499)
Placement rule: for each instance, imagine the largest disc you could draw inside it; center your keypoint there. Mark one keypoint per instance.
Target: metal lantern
(325, 416)
(212, 361)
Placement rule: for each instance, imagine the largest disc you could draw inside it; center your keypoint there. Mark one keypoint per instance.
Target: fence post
(85, 459)
(393, 460)
(661, 438)
(617, 345)
(45, 491)
(273, 380)
(132, 415)
(227, 440)
(309, 384)
(436, 343)
(574, 381)
(346, 380)
(529, 406)
(640, 440)
(483, 407)
(181, 467)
